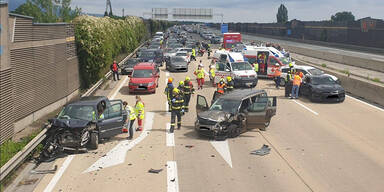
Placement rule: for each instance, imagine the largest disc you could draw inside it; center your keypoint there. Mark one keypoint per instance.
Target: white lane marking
(120, 86)
(170, 136)
(305, 107)
(58, 174)
(223, 149)
(172, 180)
(167, 74)
(117, 155)
(378, 108)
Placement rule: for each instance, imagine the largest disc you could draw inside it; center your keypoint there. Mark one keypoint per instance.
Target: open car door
(260, 112)
(113, 121)
(201, 104)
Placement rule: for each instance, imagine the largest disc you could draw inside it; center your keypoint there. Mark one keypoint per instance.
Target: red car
(144, 78)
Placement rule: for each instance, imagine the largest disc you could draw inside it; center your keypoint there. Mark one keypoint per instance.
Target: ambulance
(233, 64)
(268, 59)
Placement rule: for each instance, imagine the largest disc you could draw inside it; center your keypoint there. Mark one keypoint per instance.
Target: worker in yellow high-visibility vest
(130, 119)
(139, 112)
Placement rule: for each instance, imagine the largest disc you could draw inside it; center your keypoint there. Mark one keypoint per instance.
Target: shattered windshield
(83, 112)
(226, 105)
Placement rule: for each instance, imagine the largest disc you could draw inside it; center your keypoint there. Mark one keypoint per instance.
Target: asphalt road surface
(315, 147)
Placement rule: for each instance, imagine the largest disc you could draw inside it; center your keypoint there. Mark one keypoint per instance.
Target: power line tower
(108, 5)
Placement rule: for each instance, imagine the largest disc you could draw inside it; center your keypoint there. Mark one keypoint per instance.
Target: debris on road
(264, 150)
(212, 155)
(44, 171)
(155, 170)
(173, 180)
(189, 146)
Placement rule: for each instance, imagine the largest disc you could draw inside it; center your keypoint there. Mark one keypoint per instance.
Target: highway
(315, 147)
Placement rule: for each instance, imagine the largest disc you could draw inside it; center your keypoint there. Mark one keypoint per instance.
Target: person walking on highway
(296, 85)
(168, 91)
(230, 84)
(130, 119)
(188, 90)
(200, 74)
(193, 55)
(256, 67)
(277, 74)
(177, 109)
(115, 70)
(139, 113)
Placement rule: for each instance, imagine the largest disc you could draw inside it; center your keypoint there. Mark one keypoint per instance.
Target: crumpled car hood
(218, 116)
(69, 123)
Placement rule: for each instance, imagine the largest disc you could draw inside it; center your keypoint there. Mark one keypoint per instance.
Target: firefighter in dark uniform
(230, 84)
(288, 83)
(168, 91)
(177, 109)
(188, 90)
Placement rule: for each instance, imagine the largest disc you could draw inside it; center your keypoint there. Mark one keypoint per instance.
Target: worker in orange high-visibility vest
(277, 74)
(296, 86)
(221, 86)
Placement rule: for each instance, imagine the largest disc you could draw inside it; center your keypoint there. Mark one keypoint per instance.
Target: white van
(233, 64)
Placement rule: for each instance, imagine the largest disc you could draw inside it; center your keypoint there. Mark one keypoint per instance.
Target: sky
(261, 11)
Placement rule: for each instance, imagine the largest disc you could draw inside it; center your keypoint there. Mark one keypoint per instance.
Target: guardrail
(21, 155)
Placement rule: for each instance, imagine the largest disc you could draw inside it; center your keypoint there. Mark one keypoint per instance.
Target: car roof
(91, 100)
(240, 94)
(145, 65)
(182, 52)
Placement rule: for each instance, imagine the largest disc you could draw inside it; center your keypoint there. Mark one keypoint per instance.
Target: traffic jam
(237, 105)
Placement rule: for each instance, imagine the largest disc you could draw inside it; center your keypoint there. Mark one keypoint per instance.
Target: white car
(306, 70)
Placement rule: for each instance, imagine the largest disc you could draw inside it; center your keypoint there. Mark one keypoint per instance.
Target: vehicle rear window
(323, 80)
(142, 73)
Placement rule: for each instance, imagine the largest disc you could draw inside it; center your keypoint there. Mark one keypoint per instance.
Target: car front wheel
(94, 141)
(282, 82)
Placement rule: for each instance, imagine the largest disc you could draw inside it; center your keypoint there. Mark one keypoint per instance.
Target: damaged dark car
(82, 124)
(234, 113)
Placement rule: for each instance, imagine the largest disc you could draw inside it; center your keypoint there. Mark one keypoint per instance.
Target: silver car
(177, 64)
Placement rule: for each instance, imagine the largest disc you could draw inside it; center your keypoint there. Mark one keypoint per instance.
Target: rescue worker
(301, 74)
(188, 90)
(115, 71)
(212, 74)
(296, 85)
(181, 89)
(209, 50)
(200, 74)
(256, 67)
(230, 84)
(221, 86)
(139, 113)
(130, 119)
(168, 91)
(288, 84)
(277, 74)
(193, 55)
(177, 109)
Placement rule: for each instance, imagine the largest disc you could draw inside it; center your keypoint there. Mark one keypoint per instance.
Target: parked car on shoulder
(234, 113)
(144, 79)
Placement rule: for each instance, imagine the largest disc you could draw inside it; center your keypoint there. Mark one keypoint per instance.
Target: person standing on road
(115, 70)
(188, 90)
(177, 109)
(296, 85)
(139, 113)
(277, 74)
(130, 119)
(288, 84)
(256, 67)
(200, 74)
(212, 74)
(193, 55)
(221, 87)
(230, 84)
(168, 91)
